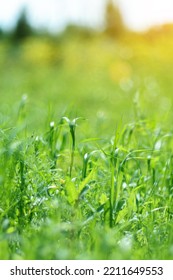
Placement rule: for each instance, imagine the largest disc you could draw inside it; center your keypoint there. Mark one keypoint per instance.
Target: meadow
(86, 160)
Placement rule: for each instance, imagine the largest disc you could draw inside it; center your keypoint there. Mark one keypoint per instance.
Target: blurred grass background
(104, 76)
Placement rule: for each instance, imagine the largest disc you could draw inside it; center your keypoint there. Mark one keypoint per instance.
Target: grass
(88, 175)
(98, 198)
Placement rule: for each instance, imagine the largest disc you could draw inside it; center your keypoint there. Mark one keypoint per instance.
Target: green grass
(86, 160)
(100, 198)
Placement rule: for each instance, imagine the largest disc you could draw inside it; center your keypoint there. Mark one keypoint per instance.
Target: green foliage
(119, 191)
(113, 20)
(98, 187)
(1, 33)
(22, 29)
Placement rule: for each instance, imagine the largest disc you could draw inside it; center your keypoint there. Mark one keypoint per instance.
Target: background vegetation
(86, 143)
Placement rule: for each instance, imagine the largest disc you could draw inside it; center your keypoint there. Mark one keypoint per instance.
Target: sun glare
(55, 14)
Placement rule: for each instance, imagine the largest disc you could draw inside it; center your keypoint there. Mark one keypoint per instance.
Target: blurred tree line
(114, 26)
(22, 29)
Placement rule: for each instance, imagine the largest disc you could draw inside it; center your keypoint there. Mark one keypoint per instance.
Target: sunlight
(56, 14)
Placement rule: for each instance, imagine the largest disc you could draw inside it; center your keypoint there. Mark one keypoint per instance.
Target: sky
(138, 15)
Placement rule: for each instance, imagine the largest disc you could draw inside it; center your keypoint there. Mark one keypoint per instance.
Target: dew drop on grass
(158, 145)
(126, 243)
(124, 185)
(52, 124)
